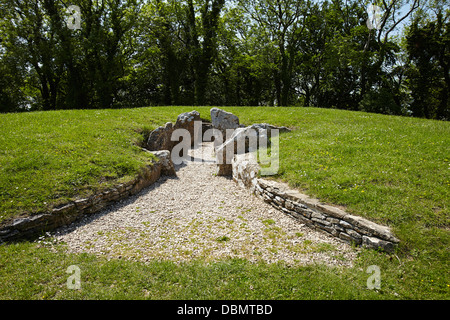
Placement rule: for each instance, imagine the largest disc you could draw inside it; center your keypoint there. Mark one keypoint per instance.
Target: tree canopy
(133, 53)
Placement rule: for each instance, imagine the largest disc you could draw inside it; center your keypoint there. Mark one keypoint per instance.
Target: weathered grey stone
(165, 159)
(269, 194)
(17, 223)
(240, 142)
(317, 215)
(187, 121)
(332, 211)
(121, 188)
(96, 198)
(223, 120)
(268, 189)
(353, 233)
(299, 205)
(110, 195)
(278, 200)
(5, 232)
(129, 185)
(306, 212)
(331, 230)
(64, 209)
(267, 198)
(332, 220)
(377, 230)
(345, 224)
(285, 210)
(301, 218)
(279, 192)
(258, 187)
(82, 204)
(159, 139)
(264, 133)
(375, 243)
(346, 237)
(267, 127)
(321, 222)
(245, 170)
(275, 205)
(289, 205)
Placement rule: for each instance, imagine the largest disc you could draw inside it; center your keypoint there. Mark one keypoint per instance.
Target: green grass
(49, 157)
(391, 170)
(29, 271)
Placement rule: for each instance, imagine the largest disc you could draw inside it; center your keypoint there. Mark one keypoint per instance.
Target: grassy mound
(392, 170)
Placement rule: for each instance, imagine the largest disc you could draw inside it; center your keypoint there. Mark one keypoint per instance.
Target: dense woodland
(134, 53)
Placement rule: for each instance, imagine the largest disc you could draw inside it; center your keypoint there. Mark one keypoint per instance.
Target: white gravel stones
(198, 215)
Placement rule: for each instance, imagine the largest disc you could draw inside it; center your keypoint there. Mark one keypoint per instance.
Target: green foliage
(139, 53)
(72, 69)
(428, 47)
(48, 157)
(381, 101)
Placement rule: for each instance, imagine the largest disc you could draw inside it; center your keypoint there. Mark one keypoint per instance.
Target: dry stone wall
(311, 212)
(32, 226)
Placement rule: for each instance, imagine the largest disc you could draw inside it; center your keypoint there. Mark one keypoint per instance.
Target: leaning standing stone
(223, 120)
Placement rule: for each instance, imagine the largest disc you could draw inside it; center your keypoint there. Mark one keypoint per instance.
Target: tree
(283, 25)
(203, 51)
(428, 46)
(70, 68)
(380, 71)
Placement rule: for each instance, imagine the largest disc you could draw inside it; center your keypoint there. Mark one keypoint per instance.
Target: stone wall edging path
(311, 212)
(29, 227)
(245, 170)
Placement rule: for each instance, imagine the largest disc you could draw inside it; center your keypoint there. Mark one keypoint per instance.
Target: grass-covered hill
(392, 170)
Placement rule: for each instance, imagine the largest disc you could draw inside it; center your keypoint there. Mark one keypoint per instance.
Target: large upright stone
(245, 170)
(241, 141)
(223, 120)
(165, 159)
(187, 121)
(159, 139)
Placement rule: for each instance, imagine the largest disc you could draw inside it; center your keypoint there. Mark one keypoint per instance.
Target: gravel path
(198, 215)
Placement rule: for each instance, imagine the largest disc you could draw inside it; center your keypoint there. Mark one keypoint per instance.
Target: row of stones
(311, 212)
(35, 225)
(350, 229)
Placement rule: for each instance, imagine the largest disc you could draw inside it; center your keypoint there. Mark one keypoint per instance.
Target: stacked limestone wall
(311, 212)
(32, 226)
